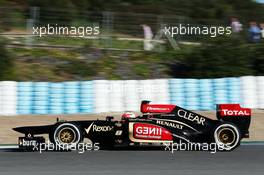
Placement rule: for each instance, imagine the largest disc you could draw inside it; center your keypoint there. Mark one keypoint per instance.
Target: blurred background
(120, 53)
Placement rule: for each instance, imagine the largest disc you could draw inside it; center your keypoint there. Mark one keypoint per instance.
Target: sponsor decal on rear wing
(233, 110)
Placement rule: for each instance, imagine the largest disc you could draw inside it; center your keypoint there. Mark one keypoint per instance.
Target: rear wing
(235, 114)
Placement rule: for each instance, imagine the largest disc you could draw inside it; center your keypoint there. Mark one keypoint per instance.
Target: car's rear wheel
(227, 136)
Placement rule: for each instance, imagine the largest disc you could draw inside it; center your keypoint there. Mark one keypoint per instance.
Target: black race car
(159, 123)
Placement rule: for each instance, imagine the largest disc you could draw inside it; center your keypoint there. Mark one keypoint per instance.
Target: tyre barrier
(55, 98)
(125, 95)
(204, 94)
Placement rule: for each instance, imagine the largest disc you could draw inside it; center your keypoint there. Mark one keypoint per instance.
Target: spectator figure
(262, 30)
(236, 25)
(254, 32)
(148, 35)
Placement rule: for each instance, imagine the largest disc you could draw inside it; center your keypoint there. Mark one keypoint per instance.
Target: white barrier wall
(260, 91)
(117, 95)
(249, 91)
(101, 96)
(8, 97)
(131, 99)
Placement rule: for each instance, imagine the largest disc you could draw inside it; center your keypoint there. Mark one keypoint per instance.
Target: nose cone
(19, 129)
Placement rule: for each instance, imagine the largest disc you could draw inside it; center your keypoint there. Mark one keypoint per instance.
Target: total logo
(227, 112)
(102, 128)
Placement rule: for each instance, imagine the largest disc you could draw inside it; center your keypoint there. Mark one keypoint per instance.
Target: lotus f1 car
(159, 123)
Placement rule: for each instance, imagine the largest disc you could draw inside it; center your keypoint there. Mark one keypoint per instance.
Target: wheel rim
(66, 135)
(227, 136)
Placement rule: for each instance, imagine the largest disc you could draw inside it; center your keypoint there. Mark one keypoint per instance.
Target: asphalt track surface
(246, 160)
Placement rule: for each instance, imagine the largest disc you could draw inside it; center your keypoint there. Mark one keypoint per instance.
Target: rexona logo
(102, 128)
(150, 132)
(226, 112)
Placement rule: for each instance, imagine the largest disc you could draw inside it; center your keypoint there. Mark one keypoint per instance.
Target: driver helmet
(128, 115)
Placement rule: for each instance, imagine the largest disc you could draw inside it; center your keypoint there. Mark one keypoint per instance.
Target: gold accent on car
(66, 135)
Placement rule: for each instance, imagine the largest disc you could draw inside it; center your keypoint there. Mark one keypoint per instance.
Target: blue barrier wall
(204, 94)
(55, 98)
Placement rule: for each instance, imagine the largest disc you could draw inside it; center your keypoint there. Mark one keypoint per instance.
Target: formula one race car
(159, 123)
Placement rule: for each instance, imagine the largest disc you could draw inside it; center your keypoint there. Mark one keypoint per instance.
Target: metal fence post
(108, 19)
(31, 22)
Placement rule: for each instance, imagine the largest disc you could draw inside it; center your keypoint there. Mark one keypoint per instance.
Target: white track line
(8, 146)
(253, 143)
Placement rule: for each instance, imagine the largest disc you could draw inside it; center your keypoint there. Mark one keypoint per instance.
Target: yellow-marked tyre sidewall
(78, 137)
(228, 127)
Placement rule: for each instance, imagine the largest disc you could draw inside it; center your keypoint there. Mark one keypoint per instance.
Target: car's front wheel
(66, 134)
